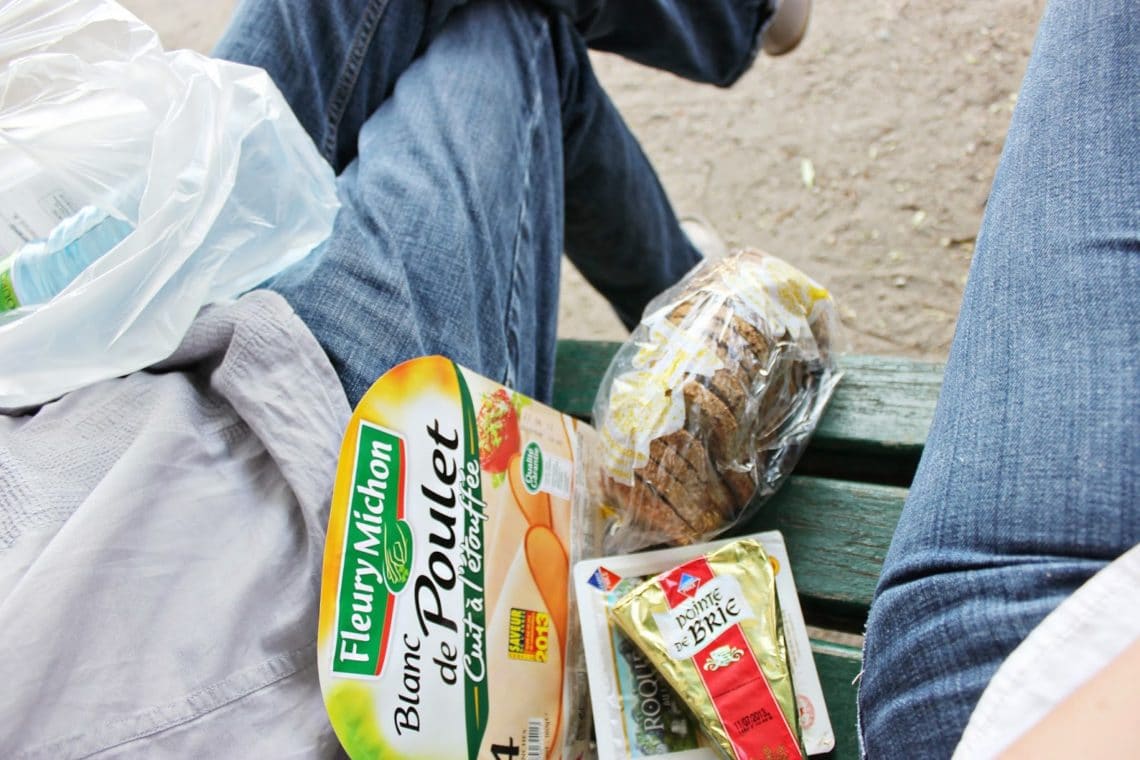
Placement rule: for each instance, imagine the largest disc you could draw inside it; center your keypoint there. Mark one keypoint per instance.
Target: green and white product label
(377, 554)
(442, 625)
(544, 472)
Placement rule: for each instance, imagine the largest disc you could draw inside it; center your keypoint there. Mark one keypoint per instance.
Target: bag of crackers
(706, 408)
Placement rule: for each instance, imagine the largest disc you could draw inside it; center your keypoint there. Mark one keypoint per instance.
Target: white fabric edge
(1075, 642)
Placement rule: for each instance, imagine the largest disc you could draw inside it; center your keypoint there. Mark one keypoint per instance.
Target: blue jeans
(1028, 482)
(474, 145)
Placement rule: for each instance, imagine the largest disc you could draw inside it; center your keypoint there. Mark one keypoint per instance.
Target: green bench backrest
(837, 513)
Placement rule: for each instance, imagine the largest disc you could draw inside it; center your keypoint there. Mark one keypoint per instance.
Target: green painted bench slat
(837, 533)
(877, 421)
(883, 404)
(873, 430)
(838, 665)
(578, 369)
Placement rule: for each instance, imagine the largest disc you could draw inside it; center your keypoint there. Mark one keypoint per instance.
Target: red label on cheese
(728, 668)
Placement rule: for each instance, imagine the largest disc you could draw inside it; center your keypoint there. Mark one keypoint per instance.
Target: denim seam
(350, 74)
(531, 131)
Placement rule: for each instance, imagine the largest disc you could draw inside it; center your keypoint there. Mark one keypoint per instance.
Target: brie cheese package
(636, 713)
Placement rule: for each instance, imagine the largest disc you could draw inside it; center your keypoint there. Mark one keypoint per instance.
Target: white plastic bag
(202, 157)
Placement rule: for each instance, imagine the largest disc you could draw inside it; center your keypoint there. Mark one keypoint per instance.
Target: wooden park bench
(839, 509)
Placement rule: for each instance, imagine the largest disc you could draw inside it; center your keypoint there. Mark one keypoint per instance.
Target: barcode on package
(535, 748)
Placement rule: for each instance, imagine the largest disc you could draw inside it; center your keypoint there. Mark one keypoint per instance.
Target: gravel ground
(865, 157)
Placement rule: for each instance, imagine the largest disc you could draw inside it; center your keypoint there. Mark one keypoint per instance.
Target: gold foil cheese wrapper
(712, 628)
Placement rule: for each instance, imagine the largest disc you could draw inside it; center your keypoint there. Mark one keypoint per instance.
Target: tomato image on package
(445, 581)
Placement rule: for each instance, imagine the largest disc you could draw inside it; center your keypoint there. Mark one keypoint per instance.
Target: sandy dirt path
(865, 157)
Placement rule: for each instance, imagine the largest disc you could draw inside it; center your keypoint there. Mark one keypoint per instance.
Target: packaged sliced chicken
(445, 602)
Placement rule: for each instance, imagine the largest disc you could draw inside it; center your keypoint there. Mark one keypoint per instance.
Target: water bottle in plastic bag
(138, 185)
(39, 270)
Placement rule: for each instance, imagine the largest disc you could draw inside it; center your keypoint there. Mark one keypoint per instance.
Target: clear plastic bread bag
(707, 407)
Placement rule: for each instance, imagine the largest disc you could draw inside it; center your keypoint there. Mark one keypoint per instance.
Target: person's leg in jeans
(450, 235)
(707, 41)
(1028, 483)
(621, 232)
(336, 63)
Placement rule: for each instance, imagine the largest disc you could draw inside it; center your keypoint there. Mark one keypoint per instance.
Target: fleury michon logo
(377, 557)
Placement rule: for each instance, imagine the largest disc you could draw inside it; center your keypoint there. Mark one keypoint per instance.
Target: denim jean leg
(621, 231)
(450, 234)
(710, 41)
(335, 61)
(1027, 486)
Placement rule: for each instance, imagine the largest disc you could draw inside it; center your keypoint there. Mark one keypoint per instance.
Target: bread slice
(741, 484)
(684, 493)
(731, 387)
(707, 415)
(681, 447)
(646, 508)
